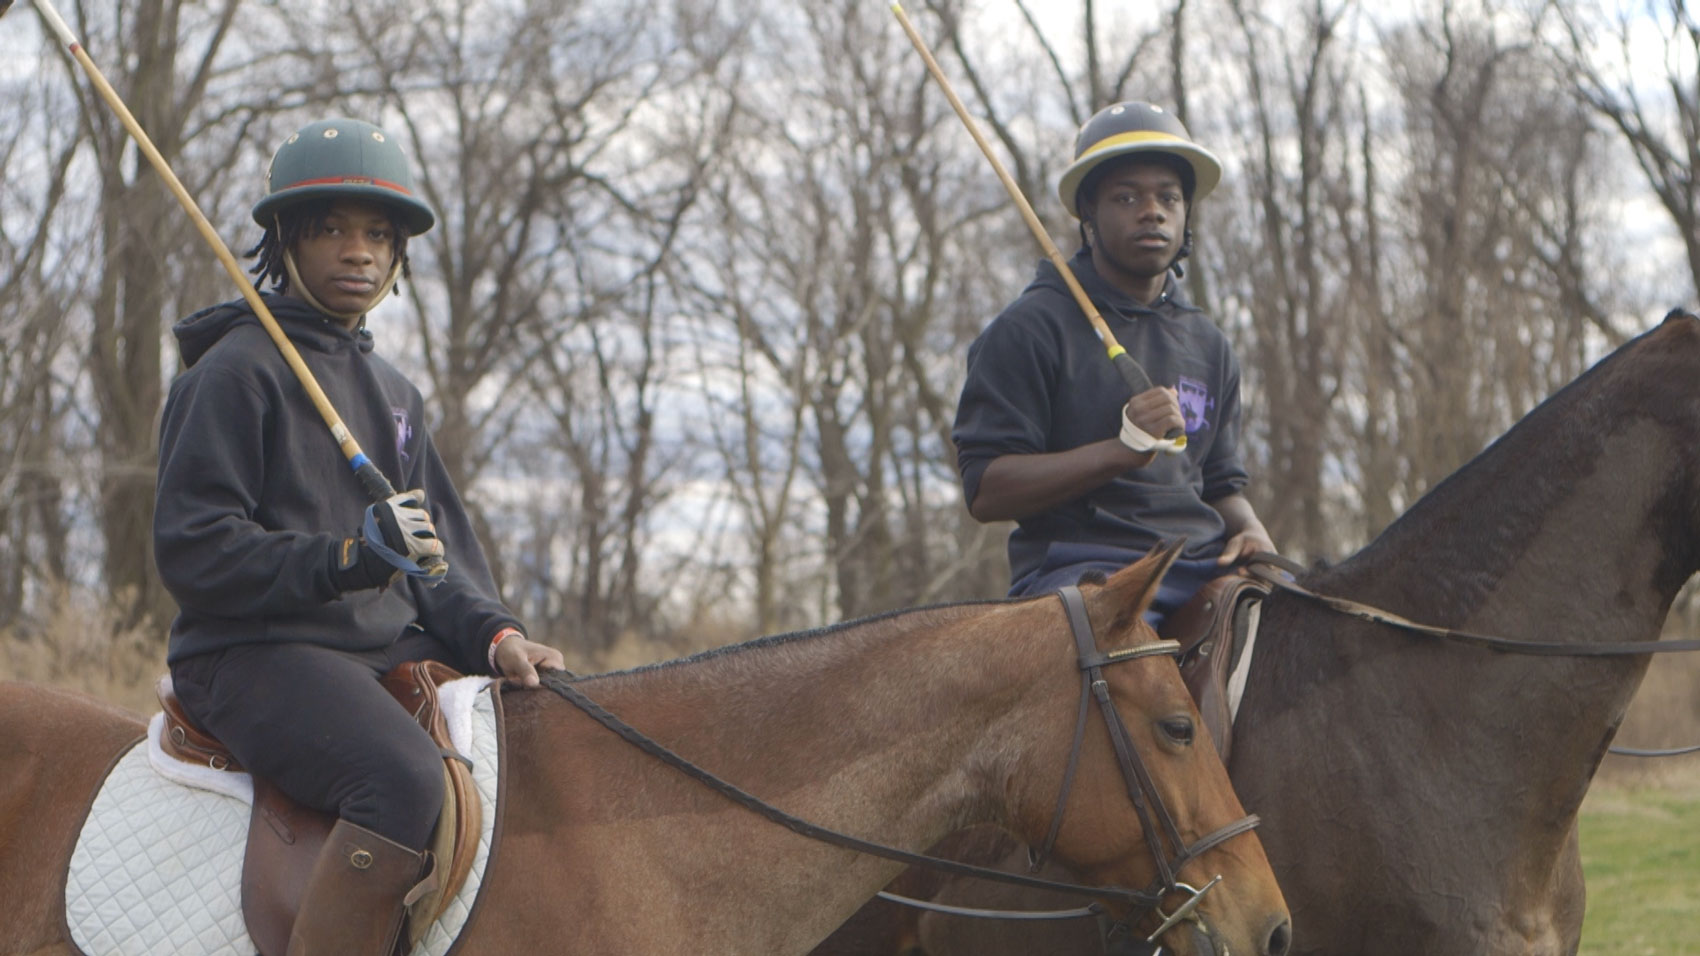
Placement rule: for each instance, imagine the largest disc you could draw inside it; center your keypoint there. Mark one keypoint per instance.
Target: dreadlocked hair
(305, 220)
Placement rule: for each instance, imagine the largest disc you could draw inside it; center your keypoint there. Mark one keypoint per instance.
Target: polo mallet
(376, 486)
(1131, 372)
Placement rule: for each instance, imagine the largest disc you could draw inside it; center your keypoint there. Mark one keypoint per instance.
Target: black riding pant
(316, 723)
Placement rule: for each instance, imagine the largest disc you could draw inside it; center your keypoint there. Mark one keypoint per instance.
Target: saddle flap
(284, 838)
(1210, 643)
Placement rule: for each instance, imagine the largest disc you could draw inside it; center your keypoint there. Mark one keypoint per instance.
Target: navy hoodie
(255, 496)
(1039, 381)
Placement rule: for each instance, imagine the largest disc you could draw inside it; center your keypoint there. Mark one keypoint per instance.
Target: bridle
(1168, 848)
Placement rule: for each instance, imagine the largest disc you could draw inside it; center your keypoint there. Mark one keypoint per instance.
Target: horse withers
(898, 729)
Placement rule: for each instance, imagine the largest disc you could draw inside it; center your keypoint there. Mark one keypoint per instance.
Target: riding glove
(397, 538)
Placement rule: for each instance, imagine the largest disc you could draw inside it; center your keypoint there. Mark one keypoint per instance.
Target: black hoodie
(255, 496)
(1039, 381)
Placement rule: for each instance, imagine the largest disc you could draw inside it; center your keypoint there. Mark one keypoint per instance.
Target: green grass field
(1641, 855)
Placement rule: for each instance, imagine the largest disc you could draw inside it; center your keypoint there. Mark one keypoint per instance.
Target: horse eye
(1177, 729)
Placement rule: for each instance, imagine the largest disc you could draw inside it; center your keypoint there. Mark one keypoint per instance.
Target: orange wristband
(501, 636)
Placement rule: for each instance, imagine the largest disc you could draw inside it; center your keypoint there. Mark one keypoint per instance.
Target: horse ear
(1131, 590)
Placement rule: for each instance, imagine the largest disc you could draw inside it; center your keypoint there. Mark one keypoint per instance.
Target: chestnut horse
(1419, 795)
(898, 728)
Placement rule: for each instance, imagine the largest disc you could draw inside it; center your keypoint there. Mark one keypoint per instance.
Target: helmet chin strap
(299, 288)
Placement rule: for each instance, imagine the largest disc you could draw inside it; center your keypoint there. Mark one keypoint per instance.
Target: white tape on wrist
(1141, 441)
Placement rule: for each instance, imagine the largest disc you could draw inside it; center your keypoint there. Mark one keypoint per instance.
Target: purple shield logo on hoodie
(1196, 403)
(403, 434)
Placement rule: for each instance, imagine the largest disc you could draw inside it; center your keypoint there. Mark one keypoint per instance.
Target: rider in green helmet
(319, 165)
(1046, 433)
(295, 593)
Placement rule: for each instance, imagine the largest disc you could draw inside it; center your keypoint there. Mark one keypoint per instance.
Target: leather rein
(1261, 566)
(1169, 850)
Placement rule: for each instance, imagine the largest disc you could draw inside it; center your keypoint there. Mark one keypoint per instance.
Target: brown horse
(1420, 796)
(898, 728)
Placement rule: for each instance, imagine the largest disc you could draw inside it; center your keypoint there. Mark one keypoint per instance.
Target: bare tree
(163, 58)
(1496, 328)
(1286, 298)
(1661, 127)
(846, 300)
(1410, 286)
(34, 464)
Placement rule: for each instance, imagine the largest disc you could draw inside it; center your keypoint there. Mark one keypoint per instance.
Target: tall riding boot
(356, 900)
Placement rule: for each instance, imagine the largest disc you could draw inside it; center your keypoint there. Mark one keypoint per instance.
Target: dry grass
(83, 647)
(1665, 714)
(635, 650)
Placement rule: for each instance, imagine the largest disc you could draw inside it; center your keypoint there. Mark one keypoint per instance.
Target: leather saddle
(1211, 629)
(284, 837)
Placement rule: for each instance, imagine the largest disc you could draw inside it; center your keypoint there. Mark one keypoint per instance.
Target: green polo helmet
(1124, 129)
(342, 159)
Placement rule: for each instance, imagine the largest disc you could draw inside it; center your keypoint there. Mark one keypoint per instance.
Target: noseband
(1169, 850)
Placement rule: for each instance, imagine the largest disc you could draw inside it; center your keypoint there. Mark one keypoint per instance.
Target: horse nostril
(1280, 939)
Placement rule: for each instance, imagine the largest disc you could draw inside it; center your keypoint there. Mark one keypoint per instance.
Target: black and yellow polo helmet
(342, 159)
(1132, 127)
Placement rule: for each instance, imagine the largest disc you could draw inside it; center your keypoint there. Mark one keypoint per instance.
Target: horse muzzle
(1201, 938)
(1276, 941)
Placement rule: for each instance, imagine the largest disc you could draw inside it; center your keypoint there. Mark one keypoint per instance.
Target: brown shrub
(82, 646)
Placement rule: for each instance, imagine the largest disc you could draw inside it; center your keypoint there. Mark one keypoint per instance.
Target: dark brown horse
(898, 728)
(1420, 796)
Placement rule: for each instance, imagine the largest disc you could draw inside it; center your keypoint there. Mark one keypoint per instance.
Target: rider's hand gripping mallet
(1130, 370)
(376, 486)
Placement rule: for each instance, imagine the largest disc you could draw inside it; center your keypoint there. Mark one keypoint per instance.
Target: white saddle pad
(1242, 667)
(157, 870)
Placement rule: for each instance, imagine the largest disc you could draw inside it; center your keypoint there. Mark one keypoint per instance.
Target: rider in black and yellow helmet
(1137, 132)
(1046, 432)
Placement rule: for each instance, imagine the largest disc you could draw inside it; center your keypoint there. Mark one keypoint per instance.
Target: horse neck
(1419, 786)
(896, 730)
(1578, 525)
(1570, 527)
(902, 728)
